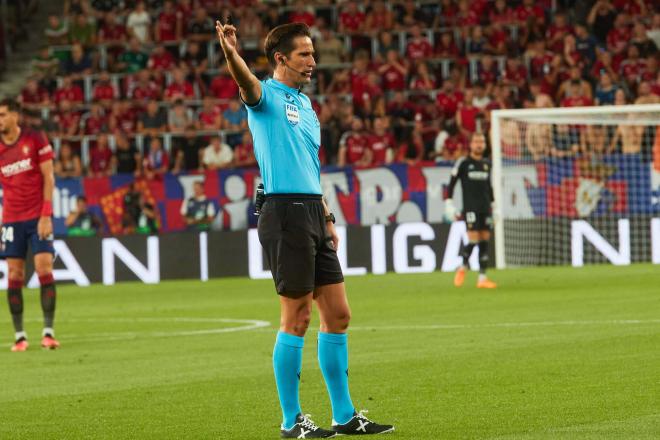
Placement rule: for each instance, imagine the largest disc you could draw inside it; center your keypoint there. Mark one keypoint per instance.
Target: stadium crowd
(139, 86)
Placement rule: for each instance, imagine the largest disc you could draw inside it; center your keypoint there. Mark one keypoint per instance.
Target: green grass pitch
(554, 353)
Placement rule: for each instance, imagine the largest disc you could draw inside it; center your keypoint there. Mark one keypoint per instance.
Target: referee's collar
(284, 87)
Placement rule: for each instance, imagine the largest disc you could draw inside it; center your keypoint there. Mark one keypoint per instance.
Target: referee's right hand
(227, 36)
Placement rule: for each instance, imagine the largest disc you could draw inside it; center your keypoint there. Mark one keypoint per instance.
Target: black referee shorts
(298, 248)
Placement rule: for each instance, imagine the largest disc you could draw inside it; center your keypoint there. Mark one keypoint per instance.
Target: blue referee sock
(287, 363)
(333, 359)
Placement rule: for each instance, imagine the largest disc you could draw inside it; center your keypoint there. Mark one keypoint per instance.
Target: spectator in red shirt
(619, 36)
(632, 67)
(632, 7)
(68, 91)
(209, 116)
(540, 58)
(498, 39)
(466, 116)
(160, 59)
(575, 96)
(466, 17)
(113, 34)
(381, 143)
(244, 152)
(379, 19)
(33, 96)
(393, 72)
(179, 88)
(557, 31)
(423, 80)
(515, 73)
(101, 159)
(223, 86)
(95, 121)
(184, 9)
(370, 94)
(571, 55)
(488, 74)
(445, 46)
(103, 90)
(168, 27)
(448, 98)
(447, 14)
(649, 70)
(144, 89)
(529, 9)
(67, 119)
(122, 118)
(301, 14)
(351, 19)
(354, 147)
(418, 46)
(501, 13)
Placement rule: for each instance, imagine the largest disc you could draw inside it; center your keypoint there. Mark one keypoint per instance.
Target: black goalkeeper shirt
(475, 182)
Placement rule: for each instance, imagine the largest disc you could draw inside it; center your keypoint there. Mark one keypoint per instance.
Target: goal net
(577, 185)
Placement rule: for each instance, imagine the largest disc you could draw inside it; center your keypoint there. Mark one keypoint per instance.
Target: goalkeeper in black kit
(473, 172)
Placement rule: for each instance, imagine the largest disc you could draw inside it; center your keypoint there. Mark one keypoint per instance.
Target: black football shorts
(298, 249)
(478, 221)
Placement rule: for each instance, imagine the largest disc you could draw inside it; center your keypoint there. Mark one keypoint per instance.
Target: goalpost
(577, 185)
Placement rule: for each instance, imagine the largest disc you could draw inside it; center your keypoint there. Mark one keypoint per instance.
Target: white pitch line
(249, 324)
(507, 325)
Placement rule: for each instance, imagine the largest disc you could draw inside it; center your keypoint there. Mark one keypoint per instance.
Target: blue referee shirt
(287, 136)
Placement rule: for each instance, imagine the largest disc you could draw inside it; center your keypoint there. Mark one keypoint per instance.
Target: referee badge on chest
(292, 114)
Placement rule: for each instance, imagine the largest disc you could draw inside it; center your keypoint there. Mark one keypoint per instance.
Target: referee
(473, 172)
(296, 228)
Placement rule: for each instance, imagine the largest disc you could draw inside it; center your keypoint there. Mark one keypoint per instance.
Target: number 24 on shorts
(7, 234)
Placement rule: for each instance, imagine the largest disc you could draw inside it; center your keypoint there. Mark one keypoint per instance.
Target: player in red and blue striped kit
(26, 176)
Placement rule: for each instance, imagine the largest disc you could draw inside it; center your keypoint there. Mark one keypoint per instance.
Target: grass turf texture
(553, 353)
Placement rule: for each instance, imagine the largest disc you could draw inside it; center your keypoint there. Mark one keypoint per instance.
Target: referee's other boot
(459, 277)
(306, 428)
(361, 425)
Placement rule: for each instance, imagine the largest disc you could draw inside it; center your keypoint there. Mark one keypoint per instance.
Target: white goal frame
(546, 115)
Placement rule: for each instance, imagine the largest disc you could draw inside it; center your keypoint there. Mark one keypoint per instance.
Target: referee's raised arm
(248, 83)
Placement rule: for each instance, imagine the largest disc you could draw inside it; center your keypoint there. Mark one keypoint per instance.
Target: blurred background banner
(551, 188)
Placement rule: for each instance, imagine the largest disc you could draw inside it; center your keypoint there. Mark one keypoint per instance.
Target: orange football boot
(20, 345)
(49, 342)
(459, 278)
(486, 284)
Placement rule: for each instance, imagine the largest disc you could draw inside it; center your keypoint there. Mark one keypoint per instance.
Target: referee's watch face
(299, 65)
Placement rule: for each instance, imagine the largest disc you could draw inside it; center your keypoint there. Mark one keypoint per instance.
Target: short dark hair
(280, 39)
(81, 198)
(11, 104)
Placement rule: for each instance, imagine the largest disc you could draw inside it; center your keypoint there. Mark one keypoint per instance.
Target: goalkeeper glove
(450, 210)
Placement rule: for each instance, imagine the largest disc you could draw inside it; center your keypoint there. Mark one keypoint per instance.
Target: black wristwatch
(330, 218)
